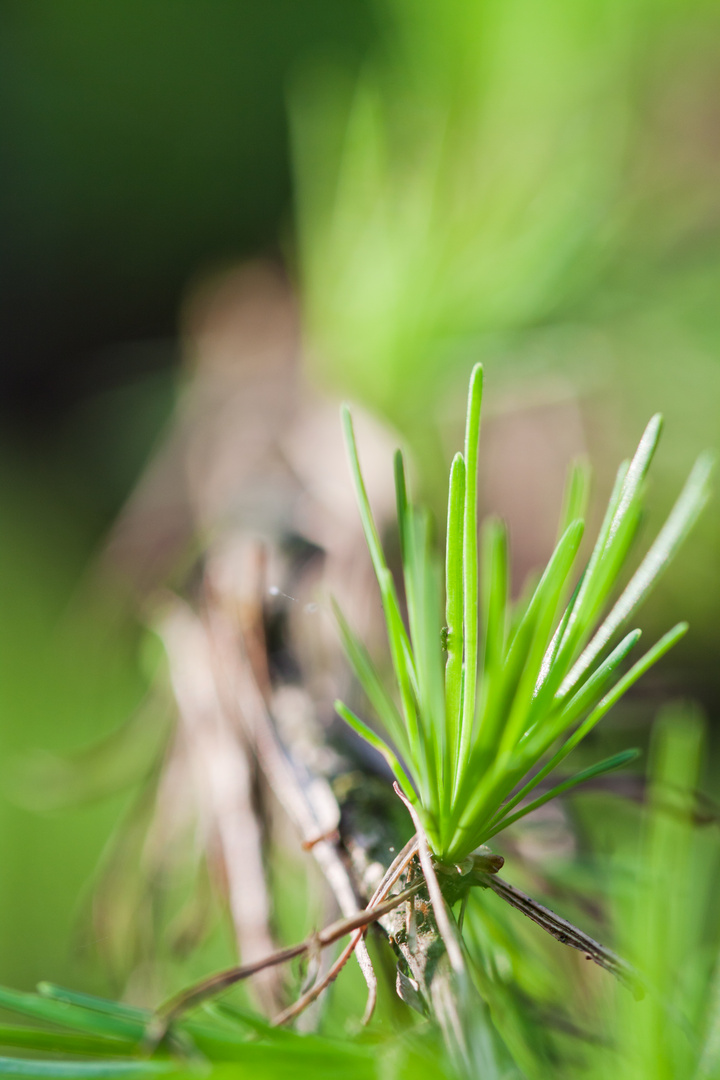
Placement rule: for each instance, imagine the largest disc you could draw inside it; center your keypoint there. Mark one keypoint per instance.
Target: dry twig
(565, 932)
(223, 980)
(392, 874)
(232, 648)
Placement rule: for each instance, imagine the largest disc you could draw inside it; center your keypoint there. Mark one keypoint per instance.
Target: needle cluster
(491, 699)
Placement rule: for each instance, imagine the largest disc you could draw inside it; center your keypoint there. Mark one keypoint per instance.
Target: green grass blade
(592, 689)
(71, 1016)
(401, 656)
(368, 677)
(454, 609)
(544, 687)
(637, 470)
(76, 1070)
(58, 1042)
(589, 691)
(542, 612)
(301, 1046)
(242, 1023)
(469, 745)
(424, 572)
(583, 700)
(621, 687)
(400, 650)
(620, 523)
(97, 1004)
(683, 516)
(494, 619)
(586, 598)
(371, 737)
(401, 501)
(485, 777)
(517, 609)
(577, 492)
(608, 765)
(550, 584)
(494, 595)
(616, 534)
(470, 561)
(406, 531)
(372, 537)
(500, 695)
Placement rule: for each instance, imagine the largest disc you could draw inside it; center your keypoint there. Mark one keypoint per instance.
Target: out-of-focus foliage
(534, 186)
(547, 1011)
(139, 143)
(504, 174)
(660, 882)
(666, 917)
(62, 683)
(466, 189)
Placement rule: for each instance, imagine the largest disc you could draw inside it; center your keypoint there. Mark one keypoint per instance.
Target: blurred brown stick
(223, 785)
(234, 642)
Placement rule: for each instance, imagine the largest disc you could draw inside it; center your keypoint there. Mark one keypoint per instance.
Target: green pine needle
(608, 765)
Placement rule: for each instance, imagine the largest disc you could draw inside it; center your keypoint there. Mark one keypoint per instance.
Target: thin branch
(222, 778)
(223, 980)
(565, 932)
(393, 872)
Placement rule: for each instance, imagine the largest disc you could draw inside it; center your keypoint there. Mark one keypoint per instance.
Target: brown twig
(222, 777)
(565, 932)
(392, 874)
(223, 980)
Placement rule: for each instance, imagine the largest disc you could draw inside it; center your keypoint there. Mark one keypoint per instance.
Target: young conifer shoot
(490, 700)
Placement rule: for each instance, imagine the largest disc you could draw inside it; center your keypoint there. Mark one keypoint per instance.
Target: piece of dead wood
(223, 789)
(307, 799)
(565, 932)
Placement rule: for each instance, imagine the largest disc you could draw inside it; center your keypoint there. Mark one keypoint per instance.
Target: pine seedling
(488, 702)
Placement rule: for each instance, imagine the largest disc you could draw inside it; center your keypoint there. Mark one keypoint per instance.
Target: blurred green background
(141, 145)
(536, 185)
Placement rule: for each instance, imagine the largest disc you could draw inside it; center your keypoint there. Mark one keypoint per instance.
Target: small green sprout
(523, 683)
